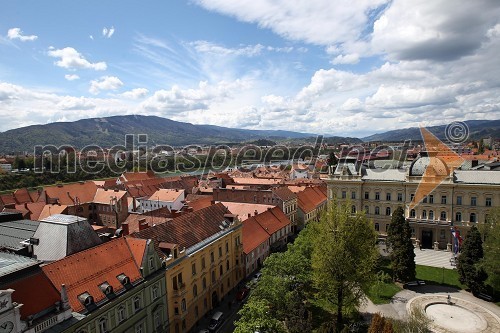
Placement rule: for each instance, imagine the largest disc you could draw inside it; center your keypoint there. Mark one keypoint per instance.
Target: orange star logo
(443, 161)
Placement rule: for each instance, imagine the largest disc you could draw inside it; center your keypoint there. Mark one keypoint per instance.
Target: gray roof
(477, 177)
(14, 232)
(62, 235)
(10, 263)
(385, 175)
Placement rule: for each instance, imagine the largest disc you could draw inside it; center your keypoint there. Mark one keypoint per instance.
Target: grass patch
(382, 293)
(441, 276)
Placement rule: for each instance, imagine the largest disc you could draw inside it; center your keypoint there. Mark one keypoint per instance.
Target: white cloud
(105, 83)
(76, 103)
(91, 37)
(346, 59)
(72, 59)
(71, 77)
(16, 33)
(107, 33)
(208, 47)
(135, 93)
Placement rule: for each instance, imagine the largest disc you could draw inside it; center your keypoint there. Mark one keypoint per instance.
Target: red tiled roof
(22, 196)
(67, 194)
(201, 202)
(284, 193)
(188, 229)
(35, 292)
(49, 210)
(7, 199)
(138, 248)
(167, 195)
(311, 198)
(104, 196)
(86, 270)
(253, 235)
(131, 176)
(272, 220)
(133, 221)
(35, 209)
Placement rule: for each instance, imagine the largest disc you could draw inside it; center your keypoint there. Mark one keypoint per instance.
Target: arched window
(227, 265)
(431, 215)
(183, 305)
(121, 314)
(195, 290)
(213, 276)
(424, 214)
(103, 325)
(137, 303)
(377, 227)
(458, 216)
(388, 211)
(367, 210)
(443, 216)
(412, 213)
(473, 217)
(204, 283)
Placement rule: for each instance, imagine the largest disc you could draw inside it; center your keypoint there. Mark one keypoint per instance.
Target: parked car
(242, 294)
(216, 321)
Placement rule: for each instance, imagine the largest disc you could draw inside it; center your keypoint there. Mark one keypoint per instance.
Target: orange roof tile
(253, 235)
(35, 292)
(133, 221)
(138, 247)
(201, 202)
(86, 270)
(69, 193)
(166, 195)
(272, 220)
(242, 209)
(22, 196)
(49, 210)
(104, 196)
(311, 198)
(284, 193)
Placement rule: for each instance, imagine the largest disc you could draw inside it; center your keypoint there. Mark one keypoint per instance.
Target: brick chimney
(143, 224)
(125, 229)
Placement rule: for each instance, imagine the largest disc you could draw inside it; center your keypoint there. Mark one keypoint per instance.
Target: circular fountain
(455, 315)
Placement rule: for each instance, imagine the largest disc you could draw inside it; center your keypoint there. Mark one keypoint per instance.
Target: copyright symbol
(457, 132)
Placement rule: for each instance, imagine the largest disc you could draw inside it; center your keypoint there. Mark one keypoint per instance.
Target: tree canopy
(469, 262)
(401, 246)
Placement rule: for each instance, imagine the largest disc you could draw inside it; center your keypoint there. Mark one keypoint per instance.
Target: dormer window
(106, 288)
(124, 280)
(86, 299)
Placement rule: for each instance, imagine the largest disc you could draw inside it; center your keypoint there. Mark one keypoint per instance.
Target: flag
(457, 240)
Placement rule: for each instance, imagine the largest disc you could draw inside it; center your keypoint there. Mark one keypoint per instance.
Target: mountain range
(476, 130)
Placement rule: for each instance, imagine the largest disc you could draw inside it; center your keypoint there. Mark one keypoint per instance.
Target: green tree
(343, 258)
(469, 267)
(480, 148)
(401, 247)
(377, 324)
(255, 316)
(332, 159)
(491, 246)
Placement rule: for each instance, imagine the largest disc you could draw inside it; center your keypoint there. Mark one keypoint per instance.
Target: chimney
(255, 212)
(249, 215)
(143, 224)
(125, 229)
(64, 297)
(134, 205)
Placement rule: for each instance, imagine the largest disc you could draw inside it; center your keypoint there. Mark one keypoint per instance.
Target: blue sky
(332, 67)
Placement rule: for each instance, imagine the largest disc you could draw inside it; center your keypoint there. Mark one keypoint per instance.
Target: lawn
(382, 293)
(435, 275)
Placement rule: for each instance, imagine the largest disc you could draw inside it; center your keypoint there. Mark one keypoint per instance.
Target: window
(204, 283)
(388, 211)
(412, 213)
(443, 199)
(442, 234)
(431, 198)
(121, 313)
(400, 197)
(155, 292)
(353, 209)
(424, 214)
(202, 263)
(344, 194)
(459, 200)
(431, 215)
(227, 265)
(137, 303)
(388, 197)
(443, 216)
(458, 216)
(473, 217)
(212, 257)
(377, 227)
(195, 290)
(213, 276)
(412, 196)
(183, 305)
(377, 195)
(367, 210)
(103, 325)
(377, 210)
(227, 247)
(220, 251)
(157, 320)
(139, 328)
(151, 264)
(193, 268)
(221, 271)
(473, 201)
(367, 195)
(353, 195)
(196, 312)
(488, 202)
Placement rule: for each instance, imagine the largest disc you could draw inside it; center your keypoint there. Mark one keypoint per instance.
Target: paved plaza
(428, 257)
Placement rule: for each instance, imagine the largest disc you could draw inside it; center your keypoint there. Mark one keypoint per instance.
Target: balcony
(181, 290)
(429, 222)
